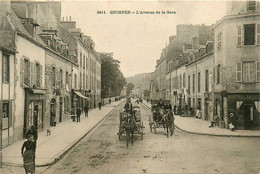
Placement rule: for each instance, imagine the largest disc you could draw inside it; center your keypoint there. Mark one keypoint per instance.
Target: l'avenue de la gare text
(135, 12)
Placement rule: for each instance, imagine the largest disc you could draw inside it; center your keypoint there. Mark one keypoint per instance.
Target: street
(102, 152)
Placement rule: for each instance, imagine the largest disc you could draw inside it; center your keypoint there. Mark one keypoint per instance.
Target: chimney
(70, 18)
(209, 46)
(195, 42)
(66, 18)
(62, 18)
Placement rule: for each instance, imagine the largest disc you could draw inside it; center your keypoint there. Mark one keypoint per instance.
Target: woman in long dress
(29, 155)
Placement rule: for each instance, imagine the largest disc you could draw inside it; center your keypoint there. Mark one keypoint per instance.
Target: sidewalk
(62, 138)
(201, 127)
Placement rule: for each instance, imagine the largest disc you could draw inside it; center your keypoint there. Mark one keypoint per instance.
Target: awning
(39, 91)
(81, 95)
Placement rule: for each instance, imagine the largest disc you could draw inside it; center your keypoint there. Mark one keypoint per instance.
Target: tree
(112, 79)
(129, 87)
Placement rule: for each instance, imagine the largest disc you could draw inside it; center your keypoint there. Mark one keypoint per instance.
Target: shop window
(5, 115)
(249, 38)
(6, 69)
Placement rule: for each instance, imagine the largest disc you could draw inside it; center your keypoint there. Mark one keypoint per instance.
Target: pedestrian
(109, 101)
(78, 112)
(29, 155)
(232, 121)
(198, 113)
(86, 108)
(33, 131)
(99, 105)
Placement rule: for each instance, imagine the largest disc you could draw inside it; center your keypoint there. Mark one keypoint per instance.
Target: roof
(19, 27)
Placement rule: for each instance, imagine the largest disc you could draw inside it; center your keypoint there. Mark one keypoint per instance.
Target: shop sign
(244, 97)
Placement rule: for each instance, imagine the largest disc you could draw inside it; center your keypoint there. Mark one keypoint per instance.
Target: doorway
(52, 112)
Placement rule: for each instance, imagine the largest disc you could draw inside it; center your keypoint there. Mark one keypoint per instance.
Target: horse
(168, 122)
(130, 127)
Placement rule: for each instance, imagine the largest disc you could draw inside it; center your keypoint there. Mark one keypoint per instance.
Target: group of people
(232, 121)
(28, 150)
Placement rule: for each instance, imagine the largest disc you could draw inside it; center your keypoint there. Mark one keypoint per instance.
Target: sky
(137, 40)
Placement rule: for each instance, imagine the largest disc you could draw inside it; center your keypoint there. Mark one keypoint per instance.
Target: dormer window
(251, 5)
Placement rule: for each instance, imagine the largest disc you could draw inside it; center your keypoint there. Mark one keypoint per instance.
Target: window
(193, 83)
(180, 81)
(75, 80)
(189, 83)
(38, 75)
(239, 35)
(207, 80)
(248, 74)
(218, 74)
(258, 34)
(249, 38)
(84, 62)
(80, 81)
(6, 68)
(219, 40)
(84, 87)
(184, 79)
(61, 78)
(67, 78)
(80, 59)
(199, 82)
(239, 72)
(27, 73)
(258, 71)
(251, 5)
(53, 77)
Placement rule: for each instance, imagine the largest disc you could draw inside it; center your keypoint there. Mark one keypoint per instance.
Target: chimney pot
(70, 18)
(66, 18)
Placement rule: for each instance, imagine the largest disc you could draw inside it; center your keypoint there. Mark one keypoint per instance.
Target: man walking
(99, 105)
(86, 110)
(78, 114)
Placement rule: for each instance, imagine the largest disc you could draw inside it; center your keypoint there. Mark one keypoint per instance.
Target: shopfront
(246, 106)
(35, 101)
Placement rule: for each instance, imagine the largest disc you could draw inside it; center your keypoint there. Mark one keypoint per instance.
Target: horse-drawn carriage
(162, 117)
(130, 124)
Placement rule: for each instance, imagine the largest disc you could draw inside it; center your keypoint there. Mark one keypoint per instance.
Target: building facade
(236, 64)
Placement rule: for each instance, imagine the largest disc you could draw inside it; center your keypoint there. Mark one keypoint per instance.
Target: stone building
(7, 94)
(199, 80)
(236, 64)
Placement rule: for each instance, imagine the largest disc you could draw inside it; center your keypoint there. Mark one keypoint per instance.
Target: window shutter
(57, 78)
(257, 34)
(239, 72)
(41, 80)
(22, 72)
(10, 118)
(220, 74)
(34, 73)
(258, 71)
(1, 111)
(31, 73)
(239, 35)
